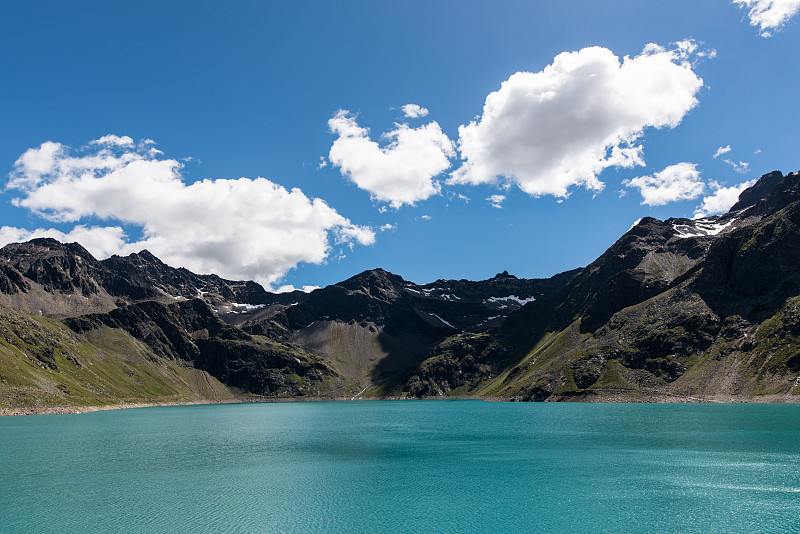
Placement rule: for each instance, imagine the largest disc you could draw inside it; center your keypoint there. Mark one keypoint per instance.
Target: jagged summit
(42, 248)
(771, 192)
(140, 258)
(375, 282)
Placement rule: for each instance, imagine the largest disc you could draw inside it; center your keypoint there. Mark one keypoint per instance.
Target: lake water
(405, 466)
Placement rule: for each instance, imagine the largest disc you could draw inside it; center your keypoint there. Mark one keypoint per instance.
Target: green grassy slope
(44, 366)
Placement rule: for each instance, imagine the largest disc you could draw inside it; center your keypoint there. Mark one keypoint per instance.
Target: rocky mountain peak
(23, 254)
(770, 193)
(142, 258)
(376, 283)
(56, 266)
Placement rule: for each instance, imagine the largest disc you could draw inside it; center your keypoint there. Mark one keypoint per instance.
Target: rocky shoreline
(654, 398)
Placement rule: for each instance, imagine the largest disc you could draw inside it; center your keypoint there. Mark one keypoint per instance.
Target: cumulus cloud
(722, 200)
(400, 173)
(238, 228)
(722, 150)
(677, 182)
(560, 127)
(496, 200)
(413, 111)
(769, 15)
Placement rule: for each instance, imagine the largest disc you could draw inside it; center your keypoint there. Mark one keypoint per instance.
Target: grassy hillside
(45, 366)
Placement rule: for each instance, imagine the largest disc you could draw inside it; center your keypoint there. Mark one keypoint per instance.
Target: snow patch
(700, 228)
(445, 293)
(489, 319)
(248, 307)
(442, 320)
(514, 298)
(236, 307)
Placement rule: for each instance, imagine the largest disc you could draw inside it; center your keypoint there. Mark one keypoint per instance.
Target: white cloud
(722, 200)
(388, 226)
(769, 15)
(239, 228)
(740, 167)
(425, 217)
(322, 163)
(560, 127)
(677, 182)
(287, 288)
(496, 200)
(35, 163)
(722, 150)
(400, 173)
(115, 140)
(413, 111)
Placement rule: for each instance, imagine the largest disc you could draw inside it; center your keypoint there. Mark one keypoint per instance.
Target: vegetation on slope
(46, 366)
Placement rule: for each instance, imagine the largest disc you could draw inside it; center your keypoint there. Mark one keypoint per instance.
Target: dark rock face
(143, 276)
(459, 362)
(753, 270)
(70, 269)
(189, 331)
(771, 193)
(435, 309)
(12, 281)
(660, 335)
(617, 279)
(57, 267)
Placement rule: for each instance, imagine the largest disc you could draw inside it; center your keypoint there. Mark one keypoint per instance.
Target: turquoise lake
(405, 466)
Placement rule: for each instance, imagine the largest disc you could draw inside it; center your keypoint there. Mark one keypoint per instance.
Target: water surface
(410, 466)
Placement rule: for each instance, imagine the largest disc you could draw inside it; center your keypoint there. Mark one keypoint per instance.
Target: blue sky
(271, 141)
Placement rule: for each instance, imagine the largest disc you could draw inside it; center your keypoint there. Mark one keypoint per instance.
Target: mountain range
(677, 310)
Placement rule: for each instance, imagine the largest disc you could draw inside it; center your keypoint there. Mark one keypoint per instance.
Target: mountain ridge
(676, 309)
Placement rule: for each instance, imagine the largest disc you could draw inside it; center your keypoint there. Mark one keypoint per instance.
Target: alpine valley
(676, 310)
